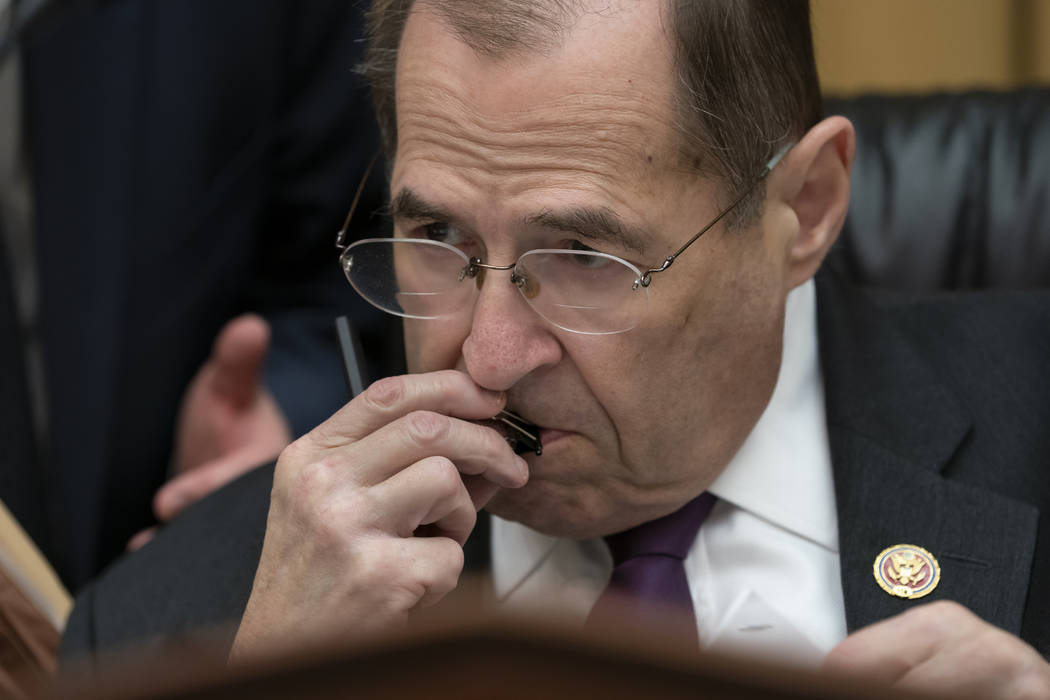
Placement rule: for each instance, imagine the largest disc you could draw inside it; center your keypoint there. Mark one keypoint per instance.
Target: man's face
(634, 424)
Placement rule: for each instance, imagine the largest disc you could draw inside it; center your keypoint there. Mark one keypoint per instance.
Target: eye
(586, 261)
(442, 232)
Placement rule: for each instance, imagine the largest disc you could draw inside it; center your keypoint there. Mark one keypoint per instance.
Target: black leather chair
(949, 191)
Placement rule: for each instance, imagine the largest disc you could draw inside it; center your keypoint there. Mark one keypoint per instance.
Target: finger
(943, 648)
(481, 490)
(429, 492)
(888, 650)
(141, 537)
(986, 662)
(447, 392)
(476, 450)
(193, 485)
(238, 356)
(435, 563)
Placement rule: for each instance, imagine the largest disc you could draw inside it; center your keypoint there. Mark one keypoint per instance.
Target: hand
(340, 557)
(228, 422)
(943, 648)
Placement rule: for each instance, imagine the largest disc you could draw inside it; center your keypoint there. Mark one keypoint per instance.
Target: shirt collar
(782, 471)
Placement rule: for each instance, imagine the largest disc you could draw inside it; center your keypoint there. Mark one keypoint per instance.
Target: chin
(559, 498)
(583, 509)
(558, 510)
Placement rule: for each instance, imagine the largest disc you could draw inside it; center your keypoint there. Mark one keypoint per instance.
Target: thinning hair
(496, 29)
(746, 77)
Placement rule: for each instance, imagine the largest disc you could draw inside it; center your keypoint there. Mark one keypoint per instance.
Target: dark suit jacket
(191, 160)
(938, 413)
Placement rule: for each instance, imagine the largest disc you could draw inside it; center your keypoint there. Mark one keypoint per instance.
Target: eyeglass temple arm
(341, 236)
(647, 277)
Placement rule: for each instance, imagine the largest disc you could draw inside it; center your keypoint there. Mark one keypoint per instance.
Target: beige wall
(923, 45)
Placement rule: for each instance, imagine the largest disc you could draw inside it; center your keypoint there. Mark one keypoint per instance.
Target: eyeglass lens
(580, 291)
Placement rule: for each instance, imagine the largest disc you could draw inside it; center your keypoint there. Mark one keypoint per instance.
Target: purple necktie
(648, 566)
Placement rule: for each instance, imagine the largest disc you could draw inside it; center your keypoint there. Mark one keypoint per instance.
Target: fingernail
(524, 467)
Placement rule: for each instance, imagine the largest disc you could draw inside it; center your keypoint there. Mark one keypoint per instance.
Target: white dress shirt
(764, 569)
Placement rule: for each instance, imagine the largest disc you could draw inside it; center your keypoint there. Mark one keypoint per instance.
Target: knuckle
(936, 612)
(947, 614)
(447, 577)
(376, 569)
(385, 393)
(448, 382)
(293, 452)
(387, 566)
(298, 486)
(346, 528)
(425, 428)
(443, 475)
(312, 477)
(948, 607)
(449, 558)
(455, 559)
(328, 529)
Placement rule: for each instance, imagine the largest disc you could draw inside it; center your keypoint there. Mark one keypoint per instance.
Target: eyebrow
(596, 224)
(407, 204)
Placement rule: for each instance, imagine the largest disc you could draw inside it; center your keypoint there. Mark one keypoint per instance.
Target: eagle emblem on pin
(907, 571)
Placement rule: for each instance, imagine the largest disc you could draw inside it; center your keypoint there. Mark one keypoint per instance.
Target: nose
(507, 339)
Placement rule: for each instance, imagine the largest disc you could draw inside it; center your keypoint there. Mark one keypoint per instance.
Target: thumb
(237, 358)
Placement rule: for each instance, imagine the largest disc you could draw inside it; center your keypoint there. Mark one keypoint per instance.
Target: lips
(549, 435)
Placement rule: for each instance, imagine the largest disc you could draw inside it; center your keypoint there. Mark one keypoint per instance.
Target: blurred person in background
(173, 173)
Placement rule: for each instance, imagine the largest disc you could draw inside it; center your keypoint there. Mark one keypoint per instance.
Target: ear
(815, 185)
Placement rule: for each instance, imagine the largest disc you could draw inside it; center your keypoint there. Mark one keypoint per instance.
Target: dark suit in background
(191, 160)
(937, 427)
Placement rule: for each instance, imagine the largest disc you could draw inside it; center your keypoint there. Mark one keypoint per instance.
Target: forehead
(592, 111)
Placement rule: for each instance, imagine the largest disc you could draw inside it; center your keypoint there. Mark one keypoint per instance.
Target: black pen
(522, 435)
(353, 357)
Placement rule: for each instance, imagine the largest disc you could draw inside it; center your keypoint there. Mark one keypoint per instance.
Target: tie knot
(671, 535)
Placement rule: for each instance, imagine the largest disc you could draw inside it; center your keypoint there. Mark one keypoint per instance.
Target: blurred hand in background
(228, 421)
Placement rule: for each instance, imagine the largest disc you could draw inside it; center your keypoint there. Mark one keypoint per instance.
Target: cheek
(616, 371)
(708, 364)
(433, 345)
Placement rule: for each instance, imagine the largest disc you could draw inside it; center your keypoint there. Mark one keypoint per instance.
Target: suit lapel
(893, 428)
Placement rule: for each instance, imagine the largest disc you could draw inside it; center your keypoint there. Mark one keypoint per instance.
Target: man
(555, 147)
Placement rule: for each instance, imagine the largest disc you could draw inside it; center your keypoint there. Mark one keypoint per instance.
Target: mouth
(521, 435)
(549, 435)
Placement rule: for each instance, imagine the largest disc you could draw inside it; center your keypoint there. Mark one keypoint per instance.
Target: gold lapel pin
(907, 571)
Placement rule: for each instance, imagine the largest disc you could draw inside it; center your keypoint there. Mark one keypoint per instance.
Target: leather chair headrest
(949, 191)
